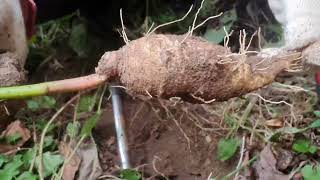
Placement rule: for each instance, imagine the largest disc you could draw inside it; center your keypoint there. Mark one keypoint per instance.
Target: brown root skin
(166, 66)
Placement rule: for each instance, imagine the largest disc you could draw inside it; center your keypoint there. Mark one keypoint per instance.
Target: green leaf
(3, 160)
(79, 39)
(229, 120)
(13, 139)
(48, 141)
(73, 129)
(27, 176)
(288, 130)
(315, 124)
(291, 130)
(51, 163)
(15, 163)
(276, 32)
(275, 137)
(6, 175)
(310, 173)
(41, 123)
(304, 146)
(317, 113)
(48, 102)
(28, 156)
(313, 149)
(86, 104)
(41, 102)
(217, 35)
(32, 105)
(130, 174)
(90, 124)
(11, 169)
(227, 148)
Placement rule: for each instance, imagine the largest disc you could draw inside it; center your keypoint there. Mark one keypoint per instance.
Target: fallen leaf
(72, 166)
(17, 130)
(90, 168)
(274, 123)
(265, 166)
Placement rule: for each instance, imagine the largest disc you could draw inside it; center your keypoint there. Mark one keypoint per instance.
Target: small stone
(208, 139)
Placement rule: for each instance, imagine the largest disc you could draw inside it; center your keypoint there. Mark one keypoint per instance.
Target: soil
(164, 142)
(10, 70)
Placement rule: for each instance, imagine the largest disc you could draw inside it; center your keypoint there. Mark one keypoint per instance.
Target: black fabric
(52, 9)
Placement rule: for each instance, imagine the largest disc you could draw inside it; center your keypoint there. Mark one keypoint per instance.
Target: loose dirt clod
(191, 68)
(10, 70)
(159, 146)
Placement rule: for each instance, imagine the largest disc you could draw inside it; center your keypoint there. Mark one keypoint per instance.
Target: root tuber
(166, 66)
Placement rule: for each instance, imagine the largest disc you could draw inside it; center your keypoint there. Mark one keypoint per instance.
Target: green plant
(216, 35)
(20, 165)
(51, 163)
(311, 173)
(227, 148)
(304, 146)
(292, 130)
(41, 102)
(12, 139)
(130, 174)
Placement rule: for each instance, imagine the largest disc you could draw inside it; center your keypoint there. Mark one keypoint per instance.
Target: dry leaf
(90, 168)
(85, 161)
(274, 123)
(15, 128)
(265, 167)
(72, 166)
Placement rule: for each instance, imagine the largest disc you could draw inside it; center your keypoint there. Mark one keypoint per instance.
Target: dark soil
(10, 70)
(164, 142)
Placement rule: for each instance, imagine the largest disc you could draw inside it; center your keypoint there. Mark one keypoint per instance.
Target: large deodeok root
(165, 66)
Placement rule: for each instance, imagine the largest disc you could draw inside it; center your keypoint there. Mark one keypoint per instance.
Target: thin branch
(40, 153)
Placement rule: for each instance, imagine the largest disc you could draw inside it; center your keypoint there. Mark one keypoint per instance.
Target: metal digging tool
(120, 127)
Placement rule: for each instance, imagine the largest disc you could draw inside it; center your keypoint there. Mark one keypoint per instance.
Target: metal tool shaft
(120, 127)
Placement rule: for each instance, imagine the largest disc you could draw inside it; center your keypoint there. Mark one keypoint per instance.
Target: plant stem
(43, 134)
(67, 85)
